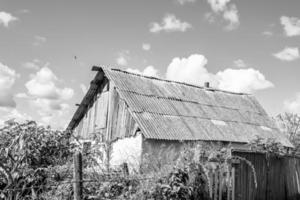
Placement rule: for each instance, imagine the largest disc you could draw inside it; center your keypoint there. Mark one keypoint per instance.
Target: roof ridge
(177, 82)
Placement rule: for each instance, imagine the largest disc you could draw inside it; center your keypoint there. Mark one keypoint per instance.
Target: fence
(277, 177)
(273, 178)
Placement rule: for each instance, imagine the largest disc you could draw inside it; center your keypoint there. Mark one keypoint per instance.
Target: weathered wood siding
(107, 118)
(277, 177)
(94, 122)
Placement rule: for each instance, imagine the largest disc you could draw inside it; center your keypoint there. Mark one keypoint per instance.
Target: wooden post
(229, 184)
(77, 186)
(220, 183)
(211, 183)
(233, 183)
(125, 169)
(216, 183)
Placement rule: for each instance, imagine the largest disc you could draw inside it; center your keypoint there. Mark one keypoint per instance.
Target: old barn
(140, 115)
(136, 115)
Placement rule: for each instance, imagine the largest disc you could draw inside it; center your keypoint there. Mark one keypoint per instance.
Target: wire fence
(67, 180)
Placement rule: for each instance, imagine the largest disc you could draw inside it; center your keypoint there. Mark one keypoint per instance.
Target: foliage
(26, 153)
(290, 124)
(188, 177)
(269, 146)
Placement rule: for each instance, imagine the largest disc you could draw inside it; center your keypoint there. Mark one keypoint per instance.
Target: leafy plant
(26, 152)
(289, 123)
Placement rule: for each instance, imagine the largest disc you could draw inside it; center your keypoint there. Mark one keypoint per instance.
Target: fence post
(77, 186)
(125, 169)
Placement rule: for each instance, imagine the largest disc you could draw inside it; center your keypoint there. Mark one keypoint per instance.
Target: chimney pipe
(206, 84)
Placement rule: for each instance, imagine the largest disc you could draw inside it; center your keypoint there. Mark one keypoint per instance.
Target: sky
(47, 49)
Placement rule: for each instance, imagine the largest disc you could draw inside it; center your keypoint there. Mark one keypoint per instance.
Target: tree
(26, 151)
(290, 124)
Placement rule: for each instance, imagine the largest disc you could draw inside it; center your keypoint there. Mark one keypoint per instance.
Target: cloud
(48, 98)
(242, 80)
(35, 64)
(6, 18)
(83, 88)
(218, 5)
(190, 70)
(267, 33)
(43, 85)
(7, 80)
(39, 40)
(182, 2)
(12, 113)
(240, 63)
(52, 112)
(291, 25)
(170, 24)
(146, 46)
(228, 11)
(148, 71)
(231, 15)
(22, 95)
(193, 70)
(288, 54)
(123, 58)
(292, 105)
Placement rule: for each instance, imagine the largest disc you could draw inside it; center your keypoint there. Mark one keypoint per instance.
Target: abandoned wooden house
(140, 115)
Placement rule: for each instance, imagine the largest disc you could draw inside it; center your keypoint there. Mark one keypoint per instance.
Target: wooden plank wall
(123, 125)
(94, 122)
(107, 117)
(277, 178)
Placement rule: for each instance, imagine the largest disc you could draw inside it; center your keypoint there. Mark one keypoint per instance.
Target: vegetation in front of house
(36, 163)
(289, 123)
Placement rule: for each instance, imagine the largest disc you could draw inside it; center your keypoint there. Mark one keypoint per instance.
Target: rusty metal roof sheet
(178, 111)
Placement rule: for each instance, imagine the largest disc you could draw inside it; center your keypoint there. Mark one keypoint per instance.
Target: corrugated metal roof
(178, 111)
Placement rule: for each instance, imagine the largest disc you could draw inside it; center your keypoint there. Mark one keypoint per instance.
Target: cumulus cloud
(52, 112)
(291, 25)
(239, 63)
(242, 80)
(43, 85)
(6, 18)
(227, 10)
(22, 95)
(193, 70)
(218, 5)
(288, 54)
(123, 58)
(190, 70)
(170, 24)
(293, 105)
(231, 15)
(7, 80)
(35, 64)
(148, 71)
(47, 97)
(146, 46)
